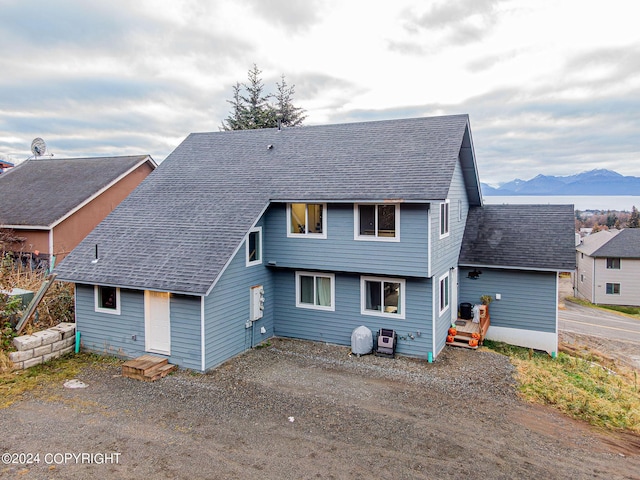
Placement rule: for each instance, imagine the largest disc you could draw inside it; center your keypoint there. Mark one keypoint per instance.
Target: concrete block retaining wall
(43, 346)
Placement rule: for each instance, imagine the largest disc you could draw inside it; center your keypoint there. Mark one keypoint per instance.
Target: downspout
(51, 255)
(593, 280)
(202, 342)
(433, 317)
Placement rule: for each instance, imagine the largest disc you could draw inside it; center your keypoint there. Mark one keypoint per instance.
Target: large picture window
(307, 219)
(382, 296)
(107, 299)
(315, 290)
(377, 222)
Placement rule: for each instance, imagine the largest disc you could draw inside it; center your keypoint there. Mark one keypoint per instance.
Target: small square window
(613, 289)
(382, 296)
(613, 263)
(315, 290)
(107, 299)
(377, 222)
(307, 220)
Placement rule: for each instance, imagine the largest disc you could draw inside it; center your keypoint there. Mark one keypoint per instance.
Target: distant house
(309, 233)
(49, 205)
(4, 165)
(608, 265)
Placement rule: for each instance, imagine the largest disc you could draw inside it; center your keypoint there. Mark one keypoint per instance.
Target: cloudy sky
(551, 86)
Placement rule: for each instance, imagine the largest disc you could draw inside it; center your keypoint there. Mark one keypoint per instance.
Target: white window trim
(306, 212)
(96, 301)
(376, 313)
(448, 305)
(259, 261)
(331, 276)
(374, 238)
(448, 223)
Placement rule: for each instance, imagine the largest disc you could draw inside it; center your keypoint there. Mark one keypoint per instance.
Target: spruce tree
(252, 108)
(634, 219)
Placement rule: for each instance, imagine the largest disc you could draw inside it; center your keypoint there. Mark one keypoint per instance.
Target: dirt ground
(301, 410)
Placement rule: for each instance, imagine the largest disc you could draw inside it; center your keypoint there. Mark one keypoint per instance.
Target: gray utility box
(386, 343)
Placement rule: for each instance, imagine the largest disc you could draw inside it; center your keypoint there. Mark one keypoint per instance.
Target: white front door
(157, 327)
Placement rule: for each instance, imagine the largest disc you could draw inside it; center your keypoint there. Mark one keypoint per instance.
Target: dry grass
(583, 384)
(56, 306)
(35, 379)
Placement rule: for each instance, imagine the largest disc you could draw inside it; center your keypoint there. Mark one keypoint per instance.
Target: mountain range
(593, 182)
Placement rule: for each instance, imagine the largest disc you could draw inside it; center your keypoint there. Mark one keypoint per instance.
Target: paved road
(594, 321)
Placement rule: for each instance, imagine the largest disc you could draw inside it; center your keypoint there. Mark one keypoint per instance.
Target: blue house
(309, 233)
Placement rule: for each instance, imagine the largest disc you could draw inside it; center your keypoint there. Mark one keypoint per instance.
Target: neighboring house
(609, 267)
(305, 232)
(50, 204)
(4, 165)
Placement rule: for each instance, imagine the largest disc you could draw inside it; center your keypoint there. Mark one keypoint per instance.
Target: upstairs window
(254, 247)
(107, 299)
(307, 220)
(444, 219)
(377, 222)
(613, 263)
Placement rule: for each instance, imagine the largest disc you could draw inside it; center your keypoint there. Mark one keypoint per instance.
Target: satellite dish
(38, 147)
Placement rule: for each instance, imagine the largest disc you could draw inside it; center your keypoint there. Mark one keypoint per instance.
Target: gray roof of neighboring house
(592, 242)
(42, 191)
(180, 227)
(626, 244)
(531, 237)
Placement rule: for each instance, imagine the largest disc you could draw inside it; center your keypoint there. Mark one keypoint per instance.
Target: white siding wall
(628, 276)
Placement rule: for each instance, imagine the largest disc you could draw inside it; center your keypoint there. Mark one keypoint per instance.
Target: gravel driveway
(301, 410)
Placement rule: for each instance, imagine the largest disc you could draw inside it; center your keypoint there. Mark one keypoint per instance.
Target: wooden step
(456, 343)
(147, 368)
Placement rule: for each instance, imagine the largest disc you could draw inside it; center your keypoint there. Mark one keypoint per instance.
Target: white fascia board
(26, 227)
(357, 200)
(506, 267)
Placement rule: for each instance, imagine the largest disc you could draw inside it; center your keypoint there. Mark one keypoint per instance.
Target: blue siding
(114, 334)
(336, 326)
(227, 310)
(339, 252)
(529, 299)
(446, 250)
(107, 333)
(185, 331)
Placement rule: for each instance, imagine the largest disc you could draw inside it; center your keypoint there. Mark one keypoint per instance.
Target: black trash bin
(466, 311)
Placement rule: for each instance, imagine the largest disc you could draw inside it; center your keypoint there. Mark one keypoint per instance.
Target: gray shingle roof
(41, 191)
(626, 244)
(178, 229)
(533, 237)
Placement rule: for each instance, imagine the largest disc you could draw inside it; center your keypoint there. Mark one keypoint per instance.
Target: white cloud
(551, 86)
